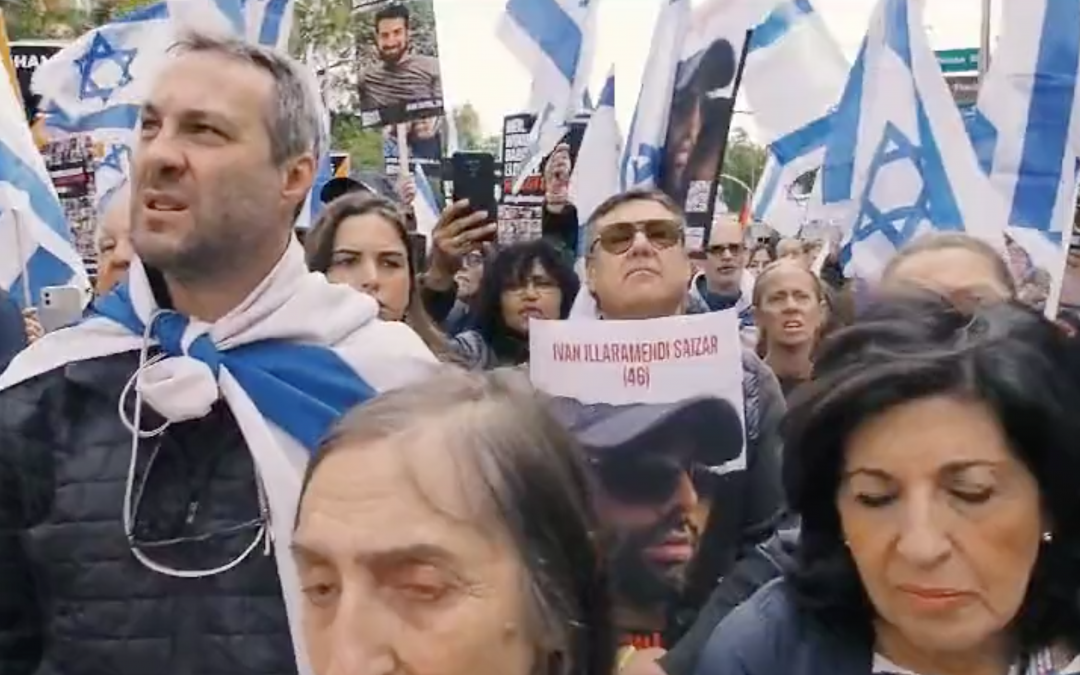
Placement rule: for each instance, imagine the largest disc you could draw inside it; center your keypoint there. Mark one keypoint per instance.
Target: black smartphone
(474, 179)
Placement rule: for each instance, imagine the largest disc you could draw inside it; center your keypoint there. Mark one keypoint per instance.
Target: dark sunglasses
(647, 480)
(721, 249)
(617, 238)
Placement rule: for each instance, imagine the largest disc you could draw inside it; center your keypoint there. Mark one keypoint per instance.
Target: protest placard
(702, 105)
(399, 77)
(628, 362)
(425, 147)
(27, 55)
(71, 162)
(520, 215)
(656, 406)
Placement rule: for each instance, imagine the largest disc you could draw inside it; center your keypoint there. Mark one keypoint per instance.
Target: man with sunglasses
(637, 267)
(722, 283)
(656, 468)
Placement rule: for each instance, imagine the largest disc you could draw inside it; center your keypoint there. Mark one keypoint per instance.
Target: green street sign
(958, 60)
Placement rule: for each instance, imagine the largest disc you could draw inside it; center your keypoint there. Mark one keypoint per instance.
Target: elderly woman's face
(397, 573)
(953, 272)
(943, 522)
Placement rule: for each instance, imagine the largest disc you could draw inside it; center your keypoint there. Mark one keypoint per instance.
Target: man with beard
(401, 77)
(151, 456)
(656, 468)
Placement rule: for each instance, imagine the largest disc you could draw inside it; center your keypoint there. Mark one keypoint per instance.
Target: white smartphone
(61, 306)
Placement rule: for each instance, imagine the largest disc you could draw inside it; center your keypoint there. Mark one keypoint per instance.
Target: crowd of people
(256, 456)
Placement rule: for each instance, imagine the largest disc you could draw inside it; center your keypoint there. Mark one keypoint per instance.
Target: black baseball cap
(359, 181)
(708, 428)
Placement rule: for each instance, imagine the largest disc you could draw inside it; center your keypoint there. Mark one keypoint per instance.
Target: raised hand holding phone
(460, 230)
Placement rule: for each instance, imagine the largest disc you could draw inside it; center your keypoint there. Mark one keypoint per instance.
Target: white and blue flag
(898, 162)
(555, 40)
(97, 83)
(643, 153)
(1026, 129)
(793, 78)
(269, 22)
(596, 173)
(426, 206)
(111, 172)
(36, 248)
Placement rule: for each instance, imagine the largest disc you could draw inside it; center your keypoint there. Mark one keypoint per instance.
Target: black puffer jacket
(73, 599)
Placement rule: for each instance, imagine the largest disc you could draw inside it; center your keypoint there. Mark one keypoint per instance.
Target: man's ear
(590, 274)
(297, 177)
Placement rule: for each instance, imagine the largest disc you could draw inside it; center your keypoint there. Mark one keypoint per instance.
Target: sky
(478, 69)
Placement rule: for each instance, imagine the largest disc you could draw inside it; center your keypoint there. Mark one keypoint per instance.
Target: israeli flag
(793, 78)
(98, 83)
(426, 206)
(1026, 129)
(898, 162)
(1027, 125)
(640, 165)
(269, 22)
(111, 172)
(555, 40)
(596, 174)
(36, 248)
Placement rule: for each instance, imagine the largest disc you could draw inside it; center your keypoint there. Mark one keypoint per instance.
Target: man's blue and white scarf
(288, 361)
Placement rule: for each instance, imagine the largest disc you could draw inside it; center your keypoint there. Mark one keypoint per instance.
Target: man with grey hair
(151, 457)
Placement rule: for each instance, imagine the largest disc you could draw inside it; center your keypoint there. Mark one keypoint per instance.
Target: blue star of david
(102, 51)
(645, 163)
(114, 159)
(897, 224)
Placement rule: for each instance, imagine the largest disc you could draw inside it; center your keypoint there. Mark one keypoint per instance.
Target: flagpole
(27, 300)
(403, 148)
(984, 41)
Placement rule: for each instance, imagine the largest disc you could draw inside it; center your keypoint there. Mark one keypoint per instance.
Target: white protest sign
(647, 361)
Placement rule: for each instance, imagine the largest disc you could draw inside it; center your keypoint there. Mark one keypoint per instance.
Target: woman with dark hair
(760, 257)
(361, 240)
(933, 461)
(525, 281)
(446, 528)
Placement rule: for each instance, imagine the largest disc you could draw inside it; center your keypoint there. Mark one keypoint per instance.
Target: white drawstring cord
(134, 426)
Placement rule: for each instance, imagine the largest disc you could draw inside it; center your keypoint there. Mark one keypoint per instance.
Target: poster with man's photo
(706, 84)
(657, 406)
(424, 144)
(399, 76)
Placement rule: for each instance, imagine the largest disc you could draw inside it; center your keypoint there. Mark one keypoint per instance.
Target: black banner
(27, 55)
(701, 110)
